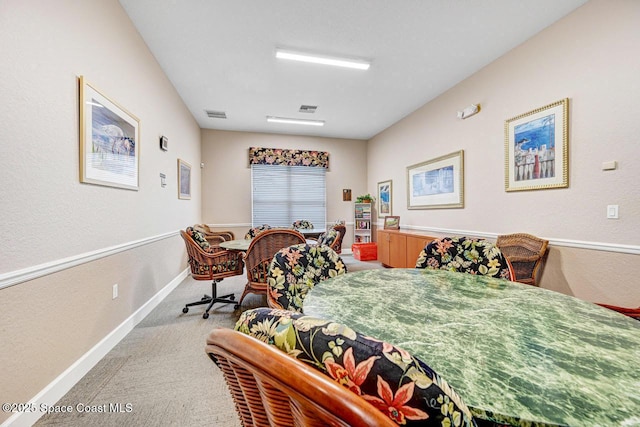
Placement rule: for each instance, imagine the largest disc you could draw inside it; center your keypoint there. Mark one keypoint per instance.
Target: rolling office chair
(259, 255)
(401, 387)
(210, 263)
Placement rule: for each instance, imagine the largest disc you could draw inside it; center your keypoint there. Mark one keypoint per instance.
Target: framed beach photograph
(384, 198)
(537, 148)
(184, 180)
(392, 223)
(109, 141)
(437, 183)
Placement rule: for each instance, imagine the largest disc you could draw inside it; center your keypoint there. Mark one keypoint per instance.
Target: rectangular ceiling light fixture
(272, 119)
(321, 59)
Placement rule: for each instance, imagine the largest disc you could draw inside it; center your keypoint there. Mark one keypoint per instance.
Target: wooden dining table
(517, 354)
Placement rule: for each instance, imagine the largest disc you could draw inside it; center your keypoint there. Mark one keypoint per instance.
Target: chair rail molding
(580, 244)
(30, 273)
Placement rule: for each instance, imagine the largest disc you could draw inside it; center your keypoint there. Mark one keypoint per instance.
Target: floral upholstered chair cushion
(302, 224)
(465, 255)
(297, 269)
(199, 238)
(328, 237)
(253, 232)
(401, 386)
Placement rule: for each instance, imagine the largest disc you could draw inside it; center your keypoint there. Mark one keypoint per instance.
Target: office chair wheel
(205, 315)
(204, 298)
(237, 306)
(185, 310)
(232, 297)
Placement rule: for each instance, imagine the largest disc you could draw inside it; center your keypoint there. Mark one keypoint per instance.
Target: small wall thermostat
(164, 143)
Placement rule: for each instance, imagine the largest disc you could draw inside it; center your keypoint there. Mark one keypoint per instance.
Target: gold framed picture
(537, 148)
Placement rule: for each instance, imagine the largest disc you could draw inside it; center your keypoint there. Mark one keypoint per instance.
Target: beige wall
(48, 217)
(48, 323)
(588, 57)
(226, 177)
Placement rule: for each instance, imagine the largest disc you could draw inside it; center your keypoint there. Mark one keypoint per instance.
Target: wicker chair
(271, 388)
(214, 237)
(259, 255)
(398, 385)
(331, 238)
(337, 245)
(465, 255)
(297, 269)
(210, 263)
(634, 313)
(525, 253)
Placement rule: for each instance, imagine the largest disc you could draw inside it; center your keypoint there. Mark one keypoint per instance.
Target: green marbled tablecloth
(236, 245)
(515, 353)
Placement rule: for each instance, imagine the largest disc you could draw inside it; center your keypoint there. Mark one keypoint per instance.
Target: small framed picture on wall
(384, 198)
(392, 223)
(184, 180)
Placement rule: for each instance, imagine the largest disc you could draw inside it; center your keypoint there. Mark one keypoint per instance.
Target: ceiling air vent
(216, 114)
(308, 108)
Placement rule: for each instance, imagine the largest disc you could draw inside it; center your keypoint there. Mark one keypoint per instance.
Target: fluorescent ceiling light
(272, 119)
(320, 59)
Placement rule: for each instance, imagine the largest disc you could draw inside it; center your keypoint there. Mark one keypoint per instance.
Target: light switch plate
(612, 211)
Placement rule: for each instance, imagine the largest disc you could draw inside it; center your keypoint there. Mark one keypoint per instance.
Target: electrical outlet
(115, 291)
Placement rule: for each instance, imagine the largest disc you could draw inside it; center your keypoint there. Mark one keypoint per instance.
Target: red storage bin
(365, 251)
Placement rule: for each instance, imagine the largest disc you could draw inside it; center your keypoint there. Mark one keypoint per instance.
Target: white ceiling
(219, 55)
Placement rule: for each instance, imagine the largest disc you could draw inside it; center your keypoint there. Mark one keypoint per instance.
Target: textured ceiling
(219, 55)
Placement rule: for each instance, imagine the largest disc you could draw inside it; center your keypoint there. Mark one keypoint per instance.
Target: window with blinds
(283, 194)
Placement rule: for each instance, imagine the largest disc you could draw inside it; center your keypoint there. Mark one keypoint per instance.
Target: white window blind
(284, 194)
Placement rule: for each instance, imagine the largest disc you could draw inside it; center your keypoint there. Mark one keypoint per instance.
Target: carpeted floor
(159, 372)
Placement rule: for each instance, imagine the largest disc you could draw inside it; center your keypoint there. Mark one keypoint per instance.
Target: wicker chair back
(525, 253)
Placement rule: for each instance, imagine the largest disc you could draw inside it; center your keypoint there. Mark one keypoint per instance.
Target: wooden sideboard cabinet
(400, 249)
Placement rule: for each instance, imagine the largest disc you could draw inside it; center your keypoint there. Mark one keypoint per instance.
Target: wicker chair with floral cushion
(271, 388)
(399, 385)
(465, 255)
(297, 269)
(259, 255)
(254, 231)
(302, 224)
(337, 245)
(210, 263)
(330, 238)
(525, 253)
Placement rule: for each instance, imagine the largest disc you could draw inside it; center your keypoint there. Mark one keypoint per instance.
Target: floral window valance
(279, 156)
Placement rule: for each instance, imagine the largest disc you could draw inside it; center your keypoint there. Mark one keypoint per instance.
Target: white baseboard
(55, 390)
